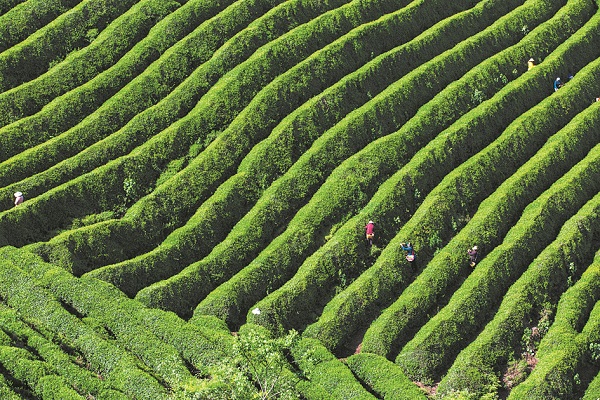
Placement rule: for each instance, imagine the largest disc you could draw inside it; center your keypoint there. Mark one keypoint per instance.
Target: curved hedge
(323, 370)
(86, 382)
(6, 5)
(494, 345)
(179, 102)
(22, 20)
(269, 158)
(119, 368)
(347, 188)
(199, 179)
(286, 194)
(382, 336)
(80, 66)
(383, 377)
(318, 269)
(445, 204)
(31, 57)
(429, 351)
(144, 87)
(564, 348)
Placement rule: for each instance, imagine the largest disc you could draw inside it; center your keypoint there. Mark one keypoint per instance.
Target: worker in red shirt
(370, 232)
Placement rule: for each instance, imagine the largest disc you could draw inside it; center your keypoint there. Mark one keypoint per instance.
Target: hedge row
(176, 104)
(383, 377)
(164, 206)
(111, 198)
(37, 375)
(288, 193)
(593, 390)
(323, 370)
(105, 50)
(6, 5)
(152, 335)
(271, 157)
(492, 349)
(31, 57)
(22, 21)
(321, 268)
(6, 391)
(120, 369)
(374, 288)
(274, 155)
(442, 337)
(42, 148)
(563, 349)
(383, 335)
(72, 370)
(347, 189)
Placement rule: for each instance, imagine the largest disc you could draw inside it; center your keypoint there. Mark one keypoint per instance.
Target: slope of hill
(197, 176)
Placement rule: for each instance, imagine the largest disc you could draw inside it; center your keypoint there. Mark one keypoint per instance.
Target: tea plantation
(185, 187)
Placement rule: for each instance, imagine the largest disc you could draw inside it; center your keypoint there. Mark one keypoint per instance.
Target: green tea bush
(216, 163)
(383, 377)
(494, 346)
(318, 269)
(268, 159)
(31, 57)
(440, 339)
(387, 324)
(22, 20)
(321, 368)
(80, 66)
(345, 312)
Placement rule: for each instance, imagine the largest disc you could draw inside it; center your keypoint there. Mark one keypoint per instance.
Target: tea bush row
(295, 187)
(152, 152)
(73, 371)
(347, 311)
(32, 57)
(217, 161)
(19, 22)
(493, 347)
(329, 374)
(6, 5)
(429, 351)
(79, 67)
(346, 190)
(318, 269)
(383, 335)
(383, 377)
(120, 369)
(152, 120)
(565, 347)
(129, 82)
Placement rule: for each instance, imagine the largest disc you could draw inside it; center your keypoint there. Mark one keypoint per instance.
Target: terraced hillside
(197, 176)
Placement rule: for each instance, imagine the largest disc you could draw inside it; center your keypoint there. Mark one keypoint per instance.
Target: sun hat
(531, 59)
(371, 222)
(18, 194)
(474, 247)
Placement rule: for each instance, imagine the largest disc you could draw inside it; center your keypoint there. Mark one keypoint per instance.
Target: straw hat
(531, 59)
(371, 222)
(18, 194)
(474, 247)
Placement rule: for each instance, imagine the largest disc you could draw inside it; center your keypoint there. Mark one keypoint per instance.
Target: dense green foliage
(197, 176)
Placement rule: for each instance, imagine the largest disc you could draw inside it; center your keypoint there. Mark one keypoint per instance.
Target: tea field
(197, 176)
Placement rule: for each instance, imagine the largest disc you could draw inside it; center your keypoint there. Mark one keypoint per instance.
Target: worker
(370, 232)
(410, 251)
(530, 64)
(18, 198)
(557, 84)
(472, 255)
